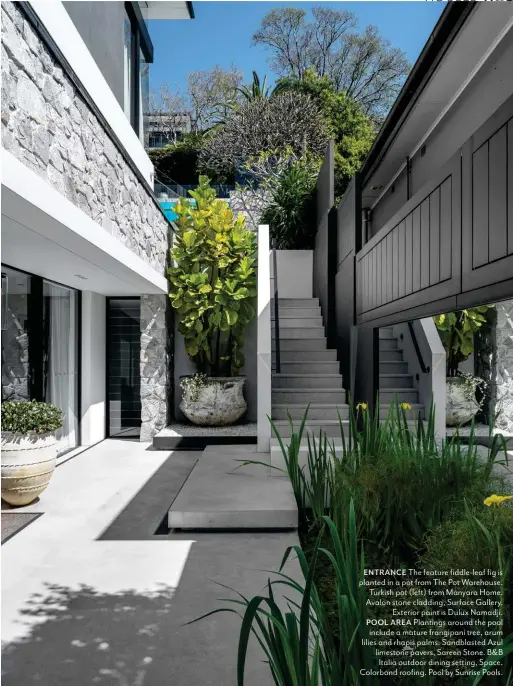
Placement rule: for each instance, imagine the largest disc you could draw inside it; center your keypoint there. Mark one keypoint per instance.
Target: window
(138, 55)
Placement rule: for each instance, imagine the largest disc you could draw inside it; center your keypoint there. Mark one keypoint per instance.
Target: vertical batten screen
(123, 367)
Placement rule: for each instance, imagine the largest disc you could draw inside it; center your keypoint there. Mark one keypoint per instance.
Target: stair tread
(316, 422)
(320, 375)
(396, 373)
(312, 405)
(308, 390)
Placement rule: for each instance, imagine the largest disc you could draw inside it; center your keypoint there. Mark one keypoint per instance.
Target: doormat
(14, 522)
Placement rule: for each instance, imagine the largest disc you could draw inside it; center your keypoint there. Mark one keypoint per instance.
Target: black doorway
(123, 367)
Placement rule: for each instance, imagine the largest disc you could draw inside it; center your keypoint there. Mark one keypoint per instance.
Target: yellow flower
(406, 406)
(496, 500)
(361, 406)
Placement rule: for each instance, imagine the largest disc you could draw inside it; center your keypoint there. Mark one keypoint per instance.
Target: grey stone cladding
(154, 365)
(48, 126)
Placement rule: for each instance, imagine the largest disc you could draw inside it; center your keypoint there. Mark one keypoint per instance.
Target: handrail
(424, 369)
(276, 310)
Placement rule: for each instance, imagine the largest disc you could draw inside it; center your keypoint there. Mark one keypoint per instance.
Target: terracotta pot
(459, 410)
(218, 401)
(28, 461)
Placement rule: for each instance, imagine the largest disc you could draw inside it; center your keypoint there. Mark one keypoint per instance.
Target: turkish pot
(459, 409)
(28, 462)
(217, 401)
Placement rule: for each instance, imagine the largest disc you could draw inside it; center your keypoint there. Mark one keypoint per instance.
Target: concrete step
(303, 396)
(392, 367)
(313, 427)
(390, 355)
(310, 355)
(306, 381)
(290, 322)
(401, 395)
(288, 344)
(386, 332)
(220, 494)
(395, 381)
(315, 411)
(387, 344)
(278, 461)
(416, 409)
(294, 312)
(309, 367)
(302, 332)
(296, 302)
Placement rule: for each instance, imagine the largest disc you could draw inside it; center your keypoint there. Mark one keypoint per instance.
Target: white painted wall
(295, 273)
(264, 354)
(93, 397)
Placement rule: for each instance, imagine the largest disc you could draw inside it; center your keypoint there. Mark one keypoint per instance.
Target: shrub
(30, 417)
(213, 281)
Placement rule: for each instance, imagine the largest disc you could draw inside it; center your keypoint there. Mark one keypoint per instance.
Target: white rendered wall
(93, 399)
(295, 273)
(264, 354)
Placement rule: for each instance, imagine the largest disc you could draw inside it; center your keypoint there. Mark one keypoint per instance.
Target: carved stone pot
(216, 401)
(28, 462)
(459, 409)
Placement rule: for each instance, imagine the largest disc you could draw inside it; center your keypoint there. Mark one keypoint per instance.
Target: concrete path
(91, 596)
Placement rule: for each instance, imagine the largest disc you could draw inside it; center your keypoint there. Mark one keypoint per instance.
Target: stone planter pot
(459, 409)
(217, 401)
(28, 461)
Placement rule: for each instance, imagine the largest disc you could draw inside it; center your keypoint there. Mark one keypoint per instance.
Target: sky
(221, 35)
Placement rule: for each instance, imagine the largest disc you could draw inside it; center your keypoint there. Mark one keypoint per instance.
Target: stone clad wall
(47, 125)
(503, 373)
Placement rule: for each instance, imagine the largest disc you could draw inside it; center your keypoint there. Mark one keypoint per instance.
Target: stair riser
(401, 396)
(289, 323)
(297, 312)
(309, 367)
(296, 302)
(311, 344)
(386, 333)
(393, 367)
(390, 355)
(395, 382)
(278, 461)
(305, 396)
(330, 430)
(410, 414)
(306, 382)
(387, 344)
(301, 332)
(297, 413)
(310, 355)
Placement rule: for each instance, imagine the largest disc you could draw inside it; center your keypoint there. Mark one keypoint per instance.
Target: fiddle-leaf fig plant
(212, 281)
(457, 330)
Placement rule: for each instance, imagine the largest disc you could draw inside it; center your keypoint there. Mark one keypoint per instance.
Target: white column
(264, 354)
(93, 367)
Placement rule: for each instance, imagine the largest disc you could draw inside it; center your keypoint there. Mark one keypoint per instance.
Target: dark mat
(14, 522)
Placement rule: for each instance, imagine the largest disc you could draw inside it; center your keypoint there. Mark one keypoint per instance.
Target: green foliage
(290, 211)
(457, 331)
(32, 416)
(213, 282)
(352, 130)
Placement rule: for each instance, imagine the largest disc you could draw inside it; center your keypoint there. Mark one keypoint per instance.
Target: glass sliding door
(60, 380)
(40, 353)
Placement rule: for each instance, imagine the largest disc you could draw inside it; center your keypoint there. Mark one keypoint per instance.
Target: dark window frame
(141, 42)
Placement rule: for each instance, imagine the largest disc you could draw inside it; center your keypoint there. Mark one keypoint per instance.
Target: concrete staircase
(309, 373)
(395, 381)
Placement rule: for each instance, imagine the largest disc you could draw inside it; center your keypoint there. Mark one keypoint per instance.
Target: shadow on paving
(134, 638)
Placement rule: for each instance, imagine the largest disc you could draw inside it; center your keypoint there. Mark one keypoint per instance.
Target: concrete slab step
(309, 367)
(313, 427)
(302, 332)
(401, 395)
(278, 463)
(395, 381)
(220, 494)
(303, 396)
(300, 344)
(387, 344)
(391, 355)
(320, 355)
(291, 322)
(306, 381)
(297, 302)
(294, 312)
(392, 367)
(315, 411)
(386, 332)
